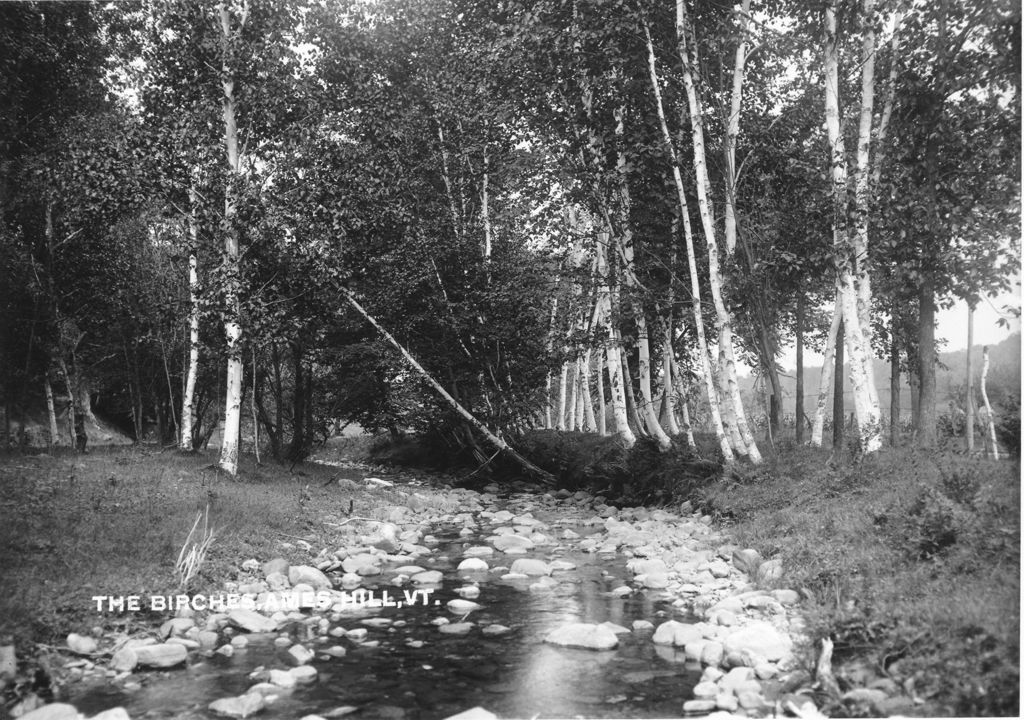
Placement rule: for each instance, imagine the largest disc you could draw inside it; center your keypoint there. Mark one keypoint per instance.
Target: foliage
(910, 563)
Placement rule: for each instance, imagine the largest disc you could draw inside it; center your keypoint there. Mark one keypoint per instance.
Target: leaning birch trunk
(730, 383)
(491, 437)
(988, 407)
(51, 414)
(232, 327)
(612, 356)
(827, 369)
(733, 130)
(709, 383)
(602, 421)
(868, 416)
(70, 384)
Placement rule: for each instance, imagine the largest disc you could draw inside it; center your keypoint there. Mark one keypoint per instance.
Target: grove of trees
(481, 218)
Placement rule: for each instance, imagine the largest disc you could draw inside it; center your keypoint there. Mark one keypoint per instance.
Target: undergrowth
(911, 561)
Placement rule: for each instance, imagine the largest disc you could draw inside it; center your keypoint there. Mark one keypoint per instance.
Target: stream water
(410, 669)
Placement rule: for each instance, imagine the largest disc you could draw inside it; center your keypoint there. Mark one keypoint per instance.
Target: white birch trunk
(188, 401)
(602, 421)
(684, 406)
(969, 429)
(590, 423)
(232, 326)
(51, 413)
(733, 129)
(491, 437)
(573, 388)
(668, 385)
(612, 356)
(988, 407)
(861, 377)
(562, 393)
(827, 371)
(730, 384)
(709, 384)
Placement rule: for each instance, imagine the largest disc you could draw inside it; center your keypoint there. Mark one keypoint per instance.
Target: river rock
(238, 707)
(786, 596)
(428, 577)
(747, 561)
(530, 566)
(642, 625)
(281, 679)
(310, 576)
(513, 543)
(461, 607)
(713, 653)
(473, 564)
(161, 656)
(769, 572)
(583, 635)
(8, 663)
(176, 626)
(760, 639)
(647, 566)
(301, 654)
(718, 569)
(460, 628)
(726, 701)
(495, 630)
(476, 713)
(705, 690)
(124, 660)
(654, 581)
(675, 633)
(81, 644)
(478, 551)
(251, 621)
(698, 706)
(53, 711)
(736, 677)
(870, 697)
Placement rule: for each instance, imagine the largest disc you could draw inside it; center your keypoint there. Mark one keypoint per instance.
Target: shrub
(1008, 424)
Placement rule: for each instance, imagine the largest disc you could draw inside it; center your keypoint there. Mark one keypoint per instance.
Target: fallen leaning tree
(492, 437)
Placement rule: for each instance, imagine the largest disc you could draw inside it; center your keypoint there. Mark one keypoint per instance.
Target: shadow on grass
(113, 522)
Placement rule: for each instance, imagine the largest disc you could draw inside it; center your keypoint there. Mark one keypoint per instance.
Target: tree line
(482, 218)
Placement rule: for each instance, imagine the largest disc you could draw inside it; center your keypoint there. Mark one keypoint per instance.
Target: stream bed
(433, 659)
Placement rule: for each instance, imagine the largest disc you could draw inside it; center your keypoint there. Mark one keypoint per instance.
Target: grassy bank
(113, 522)
(910, 561)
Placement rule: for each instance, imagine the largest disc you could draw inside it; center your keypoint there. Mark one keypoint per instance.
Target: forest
(483, 219)
(377, 295)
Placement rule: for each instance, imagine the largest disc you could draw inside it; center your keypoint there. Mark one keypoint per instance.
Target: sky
(952, 327)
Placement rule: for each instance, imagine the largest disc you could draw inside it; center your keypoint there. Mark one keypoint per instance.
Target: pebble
(238, 707)
(459, 628)
(81, 644)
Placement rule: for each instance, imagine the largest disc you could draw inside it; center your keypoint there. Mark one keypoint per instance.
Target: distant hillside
(1003, 379)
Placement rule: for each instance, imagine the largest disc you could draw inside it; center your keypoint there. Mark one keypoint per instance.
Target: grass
(910, 561)
(116, 521)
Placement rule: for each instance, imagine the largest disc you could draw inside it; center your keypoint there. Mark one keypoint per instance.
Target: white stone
(238, 707)
(81, 644)
(530, 566)
(310, 576)
(161, 656)
(476, 713)
(251, 621)
(583, 635)
(761, 639)
(472, 564)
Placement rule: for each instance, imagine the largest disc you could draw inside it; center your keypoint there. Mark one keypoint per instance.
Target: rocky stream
(513, 602)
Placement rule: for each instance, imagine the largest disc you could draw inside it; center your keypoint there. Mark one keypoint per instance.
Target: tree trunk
(709, 383)
(827, 372)
(232, 321)
(800, 369)
(188, 402)
(969, 428)
(730, 385)
(588, 402)
(684, 409)
(51, 414)
(669, 384)
(838, 395)
(69, 383)
(926, 352)
(632, 408)
(647, 417)
(988, 407)
(733, 129)
(252, 408)
(495, 440)
(915, 398)
(602, 421)
(894, 388)
(849, 265)
(612, 353)
(563, 389)
(295, 448)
